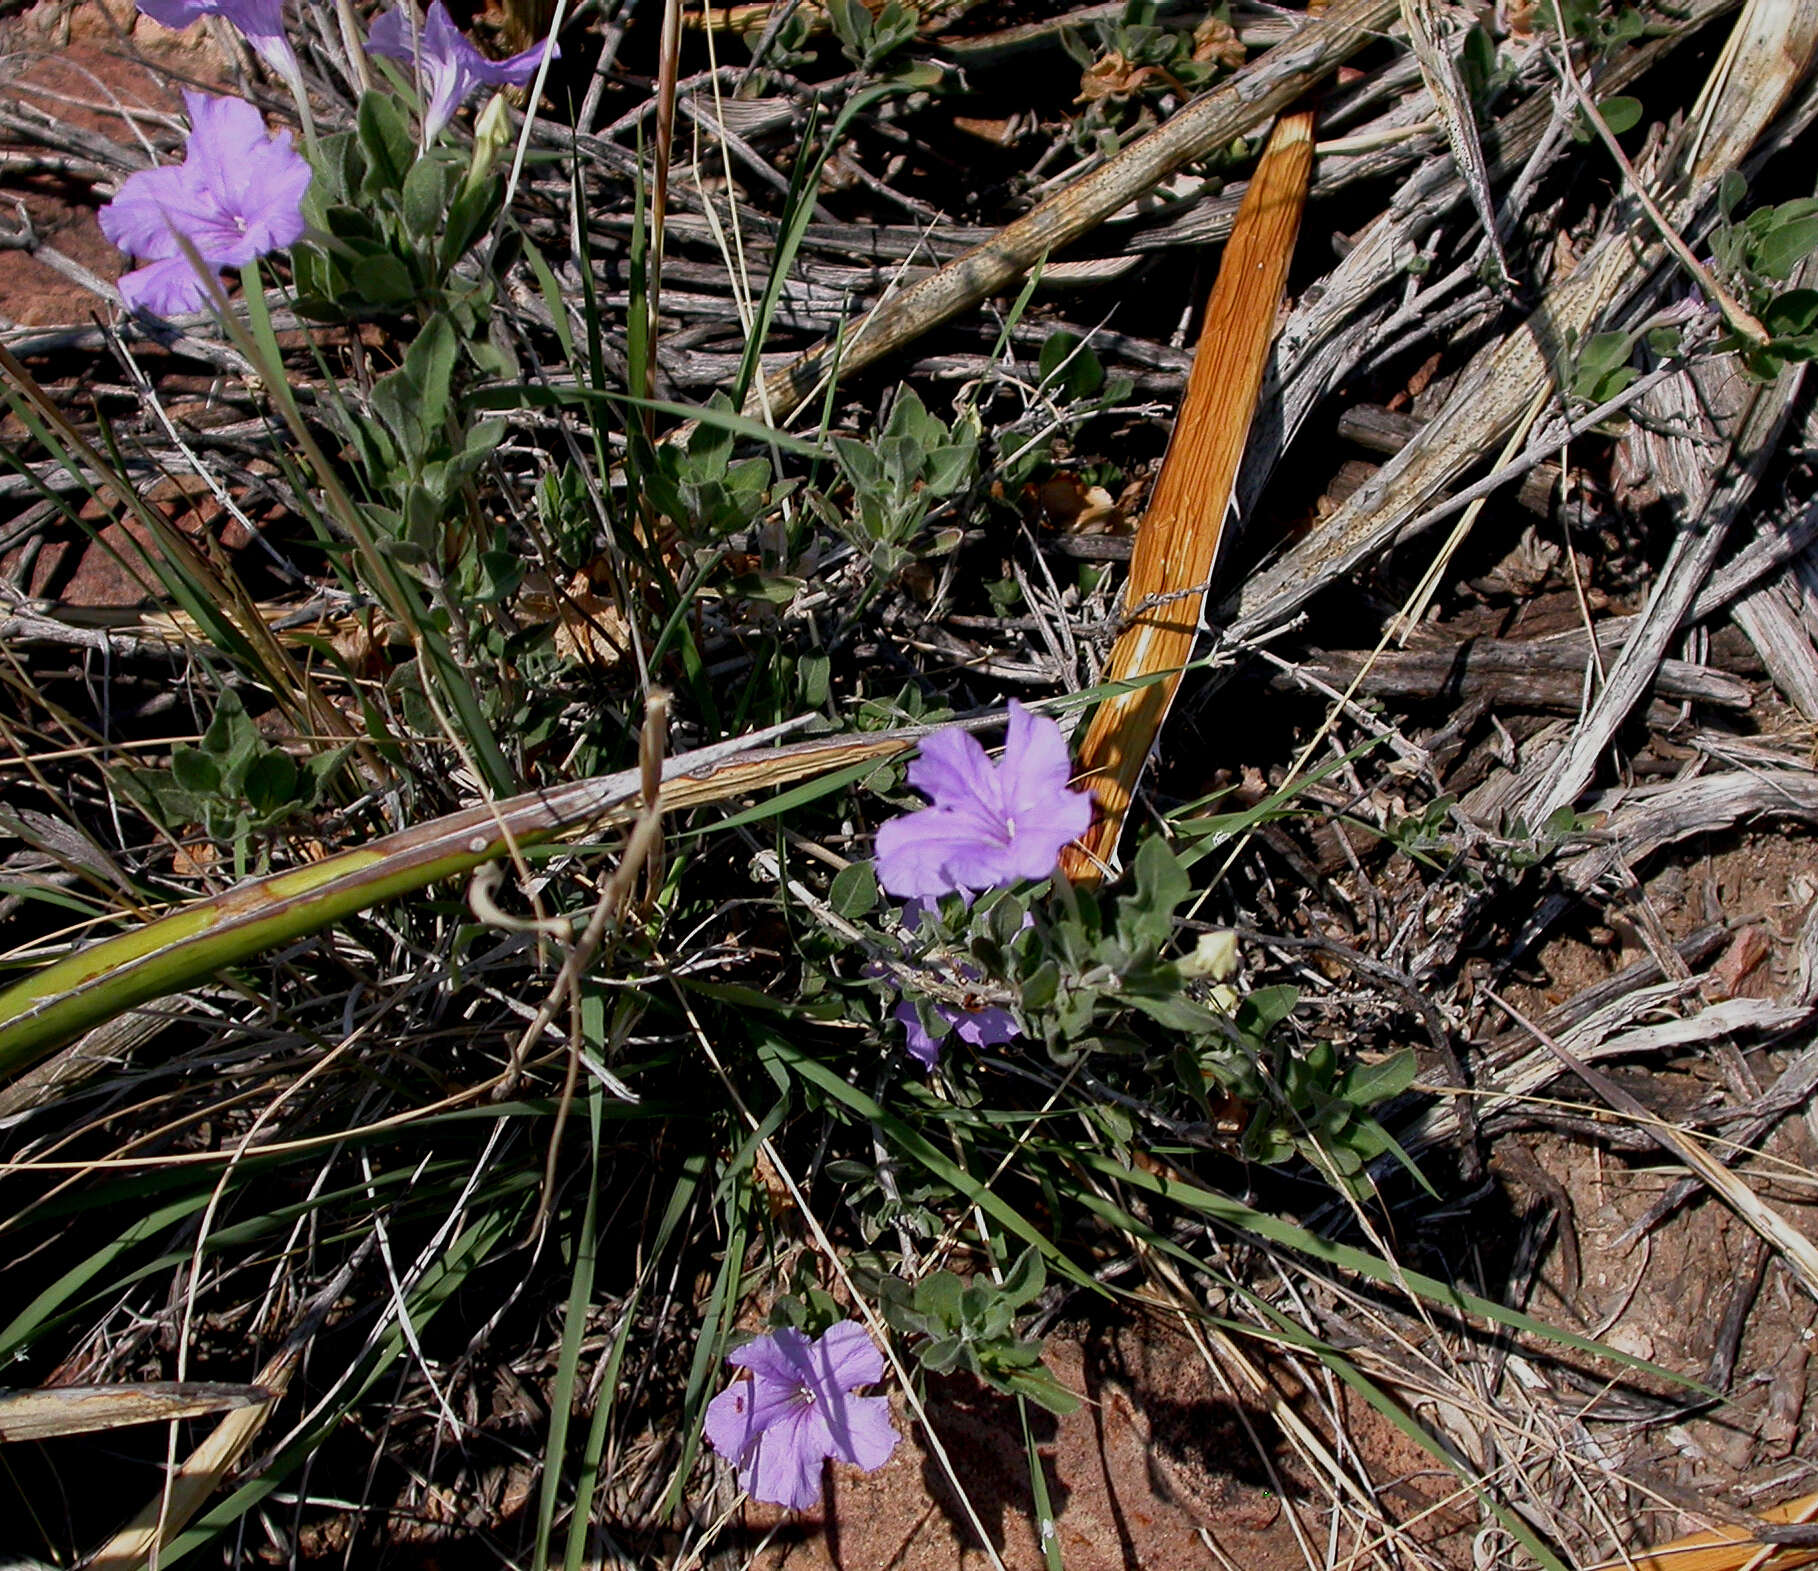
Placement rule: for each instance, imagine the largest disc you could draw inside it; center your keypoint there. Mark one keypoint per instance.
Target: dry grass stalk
(1177, 543)
(1768, 55)
(1755, 417)
(49, 1007)
(1797, 1250)
(1439, 70)
(78, 1410)
(203, 1471)
(1498, 386)
(1235, 108)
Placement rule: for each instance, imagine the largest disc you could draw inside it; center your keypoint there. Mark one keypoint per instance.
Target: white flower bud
(1214, 958)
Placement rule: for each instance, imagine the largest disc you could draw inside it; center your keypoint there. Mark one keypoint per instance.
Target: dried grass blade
(80, 1410)
(199, 1476)
(223, 600)
(1743, 423)
(1177, 543)
(1795, 1248)
(1490, 396)
(1452, 103)
(1235, 108)
(177, 950)
(201, 1473)
(1768, 54)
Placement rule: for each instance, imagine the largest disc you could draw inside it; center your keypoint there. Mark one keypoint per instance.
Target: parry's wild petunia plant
(989, 825)
(509, 547)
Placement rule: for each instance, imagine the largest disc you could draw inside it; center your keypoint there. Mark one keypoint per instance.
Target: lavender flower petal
(237, 195)
(987, 1027)
(798, 1409)
(167, 288)
(729, 1425)
(138, 220)
(261, 22)
(448, 66)
(936, 851)
(922, 1047)
(252, 182)
(847, 1358)
(869, 1437)
(785, 1465)
(953, 769)
(989, 824)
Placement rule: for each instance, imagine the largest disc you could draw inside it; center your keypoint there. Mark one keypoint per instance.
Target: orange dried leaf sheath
(1727, 1548)
(1178, 539)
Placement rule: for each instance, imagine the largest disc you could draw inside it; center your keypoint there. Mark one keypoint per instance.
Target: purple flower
(797, 1409)
(989, 824)
(261, 21)
(980, 1025)
(985, 1026)
(237, 195)
(448, 67)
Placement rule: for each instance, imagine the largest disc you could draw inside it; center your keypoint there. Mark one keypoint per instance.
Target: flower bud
(1214, 958)
(491, 136)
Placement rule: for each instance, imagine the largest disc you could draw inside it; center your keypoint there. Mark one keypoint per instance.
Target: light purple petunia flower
(448, 67)
(237, 195)
(989, 824)
(985, 1026)
(797, 1409)
(261, 21)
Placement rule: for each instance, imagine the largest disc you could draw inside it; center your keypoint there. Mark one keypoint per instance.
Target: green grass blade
(1242, 1218)
(574, 1323)
(588, 1481)
(913, 1144)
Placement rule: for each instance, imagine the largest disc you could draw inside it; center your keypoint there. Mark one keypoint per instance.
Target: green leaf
(382, 280)
(1041, 1388)
(1792, 314)
(918, 1148)
(1263, 1010)
(1789, 244)
(1147, 916)
(396, 401)
(386, 140)
(270, 783)
(195, 771)
(1174, 1013)
(940, 1294)
(1025, 1279)
(1621, 114)
(1364, 1085)
(430, 363)
(1040, 989)
(854, 892)
(340, 168)
(1070, 365)
(428, 188)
